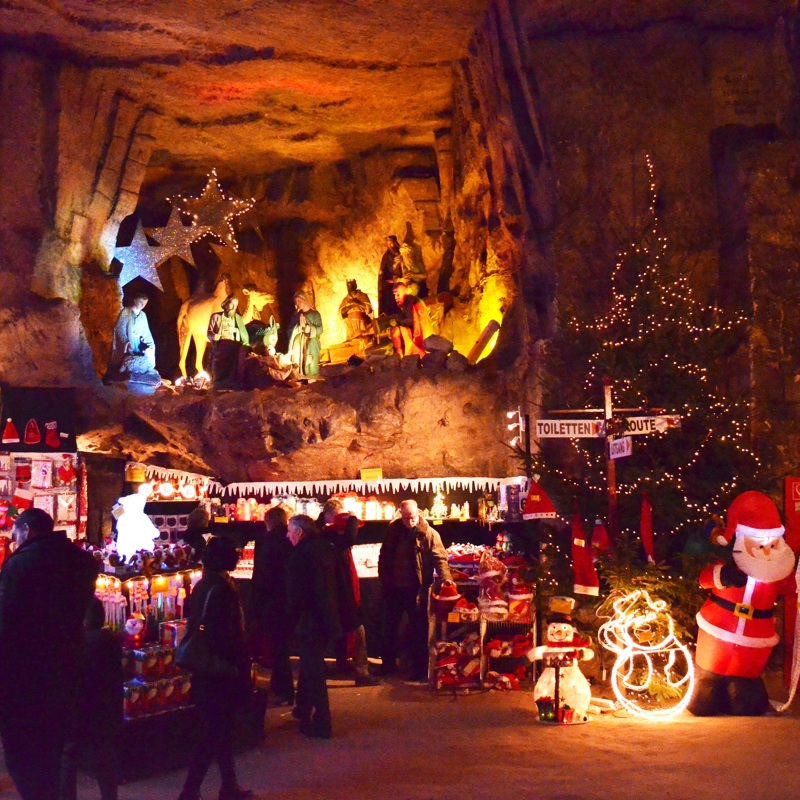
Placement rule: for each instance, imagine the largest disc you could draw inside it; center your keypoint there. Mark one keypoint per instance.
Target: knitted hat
(752, 514)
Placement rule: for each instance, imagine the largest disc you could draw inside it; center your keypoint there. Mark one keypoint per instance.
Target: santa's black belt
(742, 610)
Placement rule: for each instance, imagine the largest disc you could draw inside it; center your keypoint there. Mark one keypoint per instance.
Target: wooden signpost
(617, 437)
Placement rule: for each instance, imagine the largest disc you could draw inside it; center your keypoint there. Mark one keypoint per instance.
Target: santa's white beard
(769, 569)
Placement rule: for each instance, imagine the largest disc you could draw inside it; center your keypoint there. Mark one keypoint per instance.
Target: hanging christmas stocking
(32, 435)
(10, 435)
(51, 437)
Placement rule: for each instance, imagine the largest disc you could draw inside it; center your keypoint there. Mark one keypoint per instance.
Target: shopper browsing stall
(315, 620)
(45, 589)
(214, 603)
(268, 598)
(341, 529)
(410, 552)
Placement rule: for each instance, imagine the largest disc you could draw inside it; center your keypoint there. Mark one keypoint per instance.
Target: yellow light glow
(642, 633)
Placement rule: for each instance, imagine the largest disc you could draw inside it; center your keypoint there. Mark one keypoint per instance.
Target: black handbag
(194, 654)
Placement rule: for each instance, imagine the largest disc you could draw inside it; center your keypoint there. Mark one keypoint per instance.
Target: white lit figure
(562, 677)
(135, 531)
(649, 655)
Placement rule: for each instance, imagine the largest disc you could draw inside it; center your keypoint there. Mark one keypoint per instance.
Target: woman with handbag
(221, 677)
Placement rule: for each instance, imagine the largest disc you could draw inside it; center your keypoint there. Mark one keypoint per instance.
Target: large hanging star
(214, 210)
(177, 237)
(140, 259)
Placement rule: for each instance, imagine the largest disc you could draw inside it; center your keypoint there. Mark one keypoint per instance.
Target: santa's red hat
(752, 514)
(537, 504)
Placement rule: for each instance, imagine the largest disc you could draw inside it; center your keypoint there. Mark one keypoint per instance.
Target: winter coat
(313, 611)
(101, 701)
(430, 552)
(45, 589)
(348, 594)
(268, 594)
(224, 621)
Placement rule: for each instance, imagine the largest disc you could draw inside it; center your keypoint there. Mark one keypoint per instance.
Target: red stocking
(51, 437)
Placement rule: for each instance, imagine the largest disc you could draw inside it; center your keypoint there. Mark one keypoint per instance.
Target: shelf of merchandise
(447, 628)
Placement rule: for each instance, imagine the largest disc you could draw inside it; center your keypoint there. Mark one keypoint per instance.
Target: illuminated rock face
(503, 139)
(420, 424)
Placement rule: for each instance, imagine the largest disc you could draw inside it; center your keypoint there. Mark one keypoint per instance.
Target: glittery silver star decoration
(214, 210)
(140, 259)
(177, 237)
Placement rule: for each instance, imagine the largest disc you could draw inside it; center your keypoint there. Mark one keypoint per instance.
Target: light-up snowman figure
(562, 693)
(653, 675)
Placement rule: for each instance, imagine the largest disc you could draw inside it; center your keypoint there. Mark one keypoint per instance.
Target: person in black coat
(214, 602)
(268, 601)
(341, 530)
(314, 618)
(100, 708)
(45, 588)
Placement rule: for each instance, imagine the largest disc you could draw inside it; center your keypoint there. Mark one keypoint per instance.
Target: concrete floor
(402, 741)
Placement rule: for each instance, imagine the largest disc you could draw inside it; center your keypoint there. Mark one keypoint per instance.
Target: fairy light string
(661, 346)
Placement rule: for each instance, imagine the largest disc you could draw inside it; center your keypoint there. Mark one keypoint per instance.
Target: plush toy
(736, 627)
(134, 631)
(562, 683)
(135, 531)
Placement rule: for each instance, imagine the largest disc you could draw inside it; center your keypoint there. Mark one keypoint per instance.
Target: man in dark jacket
(314, 617)
(45, 589)
(341, 530)
(268, 602)
(409, 552)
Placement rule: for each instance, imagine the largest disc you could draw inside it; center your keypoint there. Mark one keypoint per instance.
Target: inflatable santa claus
(736, 627)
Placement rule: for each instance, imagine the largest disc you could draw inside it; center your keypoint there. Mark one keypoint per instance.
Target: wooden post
(611, 467)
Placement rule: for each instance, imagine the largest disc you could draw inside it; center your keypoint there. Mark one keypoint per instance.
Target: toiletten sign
(570, 428)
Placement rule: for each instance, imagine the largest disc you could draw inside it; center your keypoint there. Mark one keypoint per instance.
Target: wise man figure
(408, 334)
(357, 312)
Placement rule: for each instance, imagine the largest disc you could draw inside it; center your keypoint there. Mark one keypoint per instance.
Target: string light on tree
(653, 675)
(661, 346)
(214, 210)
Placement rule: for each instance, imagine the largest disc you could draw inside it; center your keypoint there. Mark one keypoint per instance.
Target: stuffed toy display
(135, 531)
(736, 627)
(562, 693)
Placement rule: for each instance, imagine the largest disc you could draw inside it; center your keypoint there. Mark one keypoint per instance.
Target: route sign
(659, 424)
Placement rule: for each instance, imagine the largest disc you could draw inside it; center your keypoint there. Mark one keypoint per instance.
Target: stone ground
(402, 741)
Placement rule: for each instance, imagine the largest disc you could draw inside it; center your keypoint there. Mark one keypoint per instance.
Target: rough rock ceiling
(256, 84)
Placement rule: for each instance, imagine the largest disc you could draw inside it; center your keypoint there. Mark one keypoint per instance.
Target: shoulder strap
(205, 605)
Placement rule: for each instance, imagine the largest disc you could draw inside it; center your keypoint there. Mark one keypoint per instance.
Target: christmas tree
(665, 352)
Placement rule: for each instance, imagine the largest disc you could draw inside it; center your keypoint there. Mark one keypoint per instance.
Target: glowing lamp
(372, 508)
(166, 491)
(188, 491)
(351, 504)
(146, 489)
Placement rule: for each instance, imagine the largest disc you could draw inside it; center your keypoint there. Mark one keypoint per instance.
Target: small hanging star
(140, 259)
(177, 237)
(214, 210)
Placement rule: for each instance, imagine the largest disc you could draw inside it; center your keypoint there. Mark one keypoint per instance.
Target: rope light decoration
(651, 661)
